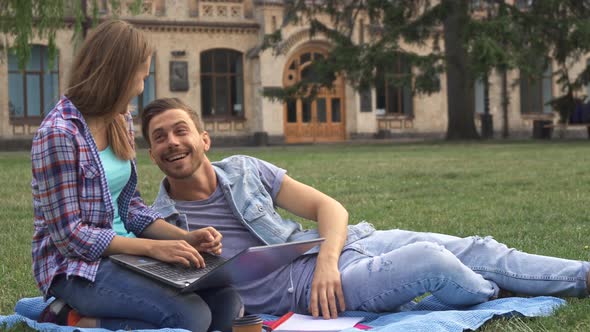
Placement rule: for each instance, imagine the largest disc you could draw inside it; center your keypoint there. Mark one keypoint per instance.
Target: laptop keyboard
(179, 273)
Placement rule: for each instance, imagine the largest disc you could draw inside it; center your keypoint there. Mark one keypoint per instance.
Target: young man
(356, 268)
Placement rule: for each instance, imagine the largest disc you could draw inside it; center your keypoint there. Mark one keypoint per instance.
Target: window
(536, 91)
(33, 92)
(361, 32)
(103, 7)
(193, 8)
(394, 99)
(479, 5)
(160, 7)
(148, 94)
(479, 90)
(292, 111)
(524, 4)
(222, 86)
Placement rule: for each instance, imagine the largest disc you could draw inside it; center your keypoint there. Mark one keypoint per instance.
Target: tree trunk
(505, 103)
(86, 22)
(460, 96)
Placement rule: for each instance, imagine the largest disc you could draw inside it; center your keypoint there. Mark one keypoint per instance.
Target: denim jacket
(252, 205)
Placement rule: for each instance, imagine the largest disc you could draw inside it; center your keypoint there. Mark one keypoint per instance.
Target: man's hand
(309, 203)
(169, 243)
(206, 239)
(326, 290)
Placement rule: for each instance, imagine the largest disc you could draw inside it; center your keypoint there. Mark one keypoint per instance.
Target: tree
(461, 112)
(477, 37)
(561, 30)
(25, 19)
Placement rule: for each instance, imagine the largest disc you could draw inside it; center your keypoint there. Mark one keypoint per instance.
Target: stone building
(209, 54)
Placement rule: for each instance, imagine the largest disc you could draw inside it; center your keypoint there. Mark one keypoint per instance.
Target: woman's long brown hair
(102, 75)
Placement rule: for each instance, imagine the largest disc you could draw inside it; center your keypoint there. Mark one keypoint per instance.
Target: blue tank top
(118, 173)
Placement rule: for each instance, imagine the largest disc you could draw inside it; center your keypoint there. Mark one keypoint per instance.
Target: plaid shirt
(71, 199)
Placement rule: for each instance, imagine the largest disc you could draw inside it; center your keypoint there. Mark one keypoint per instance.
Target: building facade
(208, 53)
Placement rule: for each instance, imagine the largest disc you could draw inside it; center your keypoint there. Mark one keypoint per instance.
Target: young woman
(86, 201)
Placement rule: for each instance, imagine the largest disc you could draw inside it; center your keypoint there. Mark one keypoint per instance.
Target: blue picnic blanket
(426, 315)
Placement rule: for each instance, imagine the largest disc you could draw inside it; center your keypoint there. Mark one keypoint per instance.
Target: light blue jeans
(124, 300)
(390, 268)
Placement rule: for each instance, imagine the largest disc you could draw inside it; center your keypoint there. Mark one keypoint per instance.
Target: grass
(532, 196)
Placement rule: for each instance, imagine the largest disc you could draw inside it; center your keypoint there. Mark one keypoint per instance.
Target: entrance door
(318, 120)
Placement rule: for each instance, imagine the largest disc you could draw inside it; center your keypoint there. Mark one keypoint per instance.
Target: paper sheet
(306, 323)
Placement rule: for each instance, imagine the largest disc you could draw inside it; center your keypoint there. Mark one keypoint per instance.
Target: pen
(281, 320)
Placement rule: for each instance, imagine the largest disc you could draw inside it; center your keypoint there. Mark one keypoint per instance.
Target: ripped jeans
(390, 268)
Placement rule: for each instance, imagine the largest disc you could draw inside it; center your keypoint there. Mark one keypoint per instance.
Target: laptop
(249, 264)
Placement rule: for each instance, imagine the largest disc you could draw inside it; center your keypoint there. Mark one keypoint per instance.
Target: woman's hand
(176, 252)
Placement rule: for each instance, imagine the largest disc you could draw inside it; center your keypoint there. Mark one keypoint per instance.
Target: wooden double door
(321, 119)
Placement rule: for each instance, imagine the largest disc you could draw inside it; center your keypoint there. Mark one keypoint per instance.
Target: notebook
(249, 264)
(292, 322)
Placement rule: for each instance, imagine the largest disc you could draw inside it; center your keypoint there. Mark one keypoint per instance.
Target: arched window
(33, 92)
(222, 84)
(149, 91)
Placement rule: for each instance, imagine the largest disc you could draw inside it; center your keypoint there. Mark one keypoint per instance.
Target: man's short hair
(161, 105)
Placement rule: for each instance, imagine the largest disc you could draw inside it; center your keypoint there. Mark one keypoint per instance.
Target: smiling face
(176, 145)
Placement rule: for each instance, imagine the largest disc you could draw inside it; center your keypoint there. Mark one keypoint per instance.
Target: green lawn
(531, 196)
